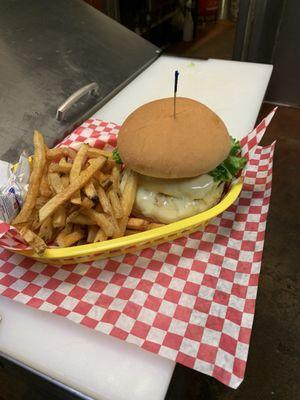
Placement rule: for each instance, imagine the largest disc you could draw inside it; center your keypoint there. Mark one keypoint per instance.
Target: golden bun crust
(154, 143)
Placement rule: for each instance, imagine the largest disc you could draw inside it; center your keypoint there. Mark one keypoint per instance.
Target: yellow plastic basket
(135, 242)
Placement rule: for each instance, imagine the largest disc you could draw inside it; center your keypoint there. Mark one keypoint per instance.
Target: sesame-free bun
(154, 143)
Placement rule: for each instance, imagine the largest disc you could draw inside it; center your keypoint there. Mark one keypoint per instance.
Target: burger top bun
(154, 143)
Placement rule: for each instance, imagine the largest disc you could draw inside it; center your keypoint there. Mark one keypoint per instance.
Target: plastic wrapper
(13, 187)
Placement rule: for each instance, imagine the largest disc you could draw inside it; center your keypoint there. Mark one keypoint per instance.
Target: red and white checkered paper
(191, 300)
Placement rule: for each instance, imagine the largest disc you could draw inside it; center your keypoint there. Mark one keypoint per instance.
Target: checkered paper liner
(191, 300)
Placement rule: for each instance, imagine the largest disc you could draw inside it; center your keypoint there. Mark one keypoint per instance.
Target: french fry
(67, 229)
(140, 224)
(93, 152)
(38, 244)
(87, 203)
(100, 236)
(65, 180)
(75, 170)
(35, 224)
(154, 225)
(117, 232)
(71, 238)
(81, 198)
(90, 191)
(124, 178)
(95, 183)
(78, 162)
(60, 198)
(40, 201)
(104, 201)
(59, 217)
(98, 208)
(71, 153)
(108, 166)
(128, 198)
(45, 189)
(63, 168)
(54, 234)
(55, 182)
(101, 220)
(80, 219)
(46, 230)
(92, 232)
(63, 161)
(107, 183)
(72, 210)
(100, 176)
(131, 232)
(72, 213)
(38, 165)
(116, 204)
(115, 177)
(58, 152)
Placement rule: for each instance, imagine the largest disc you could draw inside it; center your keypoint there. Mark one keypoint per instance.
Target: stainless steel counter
(50, 49)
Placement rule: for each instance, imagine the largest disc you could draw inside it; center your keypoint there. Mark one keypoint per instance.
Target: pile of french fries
(77, 197)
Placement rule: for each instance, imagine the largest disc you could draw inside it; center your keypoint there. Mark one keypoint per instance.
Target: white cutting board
(234, 90)
(98, 365)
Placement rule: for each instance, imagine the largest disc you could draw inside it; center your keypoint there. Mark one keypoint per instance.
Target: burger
(184, 162)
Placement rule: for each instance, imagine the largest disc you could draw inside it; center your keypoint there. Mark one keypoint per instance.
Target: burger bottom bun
(167, 209)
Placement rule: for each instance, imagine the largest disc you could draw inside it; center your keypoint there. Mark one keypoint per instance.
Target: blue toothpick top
(175, 92)
(176, 81)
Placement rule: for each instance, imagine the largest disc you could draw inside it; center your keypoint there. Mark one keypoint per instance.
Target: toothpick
(175, 92)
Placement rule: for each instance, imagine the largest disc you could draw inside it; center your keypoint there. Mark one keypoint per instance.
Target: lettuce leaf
(233, 164)
(224, 172)
(116, 156)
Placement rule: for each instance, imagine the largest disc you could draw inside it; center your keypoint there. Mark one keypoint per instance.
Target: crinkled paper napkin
(191, 300)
